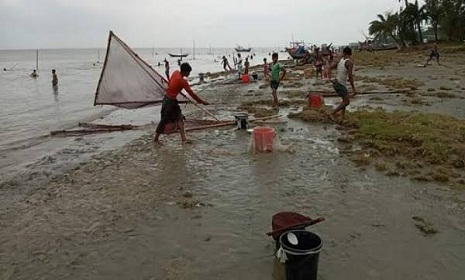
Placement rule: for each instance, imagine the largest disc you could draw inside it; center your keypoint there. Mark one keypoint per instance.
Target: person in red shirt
(170, 111)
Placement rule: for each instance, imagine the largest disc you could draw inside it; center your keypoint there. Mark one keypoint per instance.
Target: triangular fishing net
(126, 80)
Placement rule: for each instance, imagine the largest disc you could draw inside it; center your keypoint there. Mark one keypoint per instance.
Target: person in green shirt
(277, 74)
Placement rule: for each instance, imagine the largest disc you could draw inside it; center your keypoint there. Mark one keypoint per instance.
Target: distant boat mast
(37, 60)
(194, 49)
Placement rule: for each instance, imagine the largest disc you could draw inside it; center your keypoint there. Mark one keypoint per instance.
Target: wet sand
(201, 211)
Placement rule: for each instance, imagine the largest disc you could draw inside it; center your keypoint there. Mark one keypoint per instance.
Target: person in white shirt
(345, 69)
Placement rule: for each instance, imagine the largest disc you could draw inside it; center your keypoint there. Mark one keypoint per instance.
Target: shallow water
(369, 232)
(31, 108)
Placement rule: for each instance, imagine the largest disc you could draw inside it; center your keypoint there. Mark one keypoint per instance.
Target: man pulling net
(171, 115)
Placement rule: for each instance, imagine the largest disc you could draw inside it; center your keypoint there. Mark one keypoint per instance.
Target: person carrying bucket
(277, 74)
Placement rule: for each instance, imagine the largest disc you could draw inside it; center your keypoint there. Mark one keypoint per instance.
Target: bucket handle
(302, 253)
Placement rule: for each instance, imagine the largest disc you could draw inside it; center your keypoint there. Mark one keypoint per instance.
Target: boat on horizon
(242, 49)
(178, 55)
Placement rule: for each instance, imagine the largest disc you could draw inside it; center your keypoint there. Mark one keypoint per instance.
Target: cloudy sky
(31, 24)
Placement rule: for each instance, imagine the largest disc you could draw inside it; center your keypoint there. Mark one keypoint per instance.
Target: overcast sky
(31, 24)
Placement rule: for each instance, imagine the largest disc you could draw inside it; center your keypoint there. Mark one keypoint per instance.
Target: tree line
(445, 18)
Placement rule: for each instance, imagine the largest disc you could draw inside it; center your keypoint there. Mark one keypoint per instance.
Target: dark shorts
(170, 114)
(340, 89)
(434, 54)
(274, 84)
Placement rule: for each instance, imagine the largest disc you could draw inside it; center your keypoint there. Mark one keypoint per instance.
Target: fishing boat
(298, 50)
(178, 55)
(242, 49)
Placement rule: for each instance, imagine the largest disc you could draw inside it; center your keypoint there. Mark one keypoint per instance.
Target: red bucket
(263, 138)
(245, 78)
(315, 101)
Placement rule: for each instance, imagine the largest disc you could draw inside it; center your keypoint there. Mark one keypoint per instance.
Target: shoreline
(202, 210)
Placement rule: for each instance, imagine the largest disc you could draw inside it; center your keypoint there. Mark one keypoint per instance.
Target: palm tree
(386, 25)
(434, 13)
(416, 14)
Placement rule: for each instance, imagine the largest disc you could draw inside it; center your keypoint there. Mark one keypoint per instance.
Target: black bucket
(302, 259)
(242, 120)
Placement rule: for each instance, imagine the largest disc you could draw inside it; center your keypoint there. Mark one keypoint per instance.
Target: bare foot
(156, 141)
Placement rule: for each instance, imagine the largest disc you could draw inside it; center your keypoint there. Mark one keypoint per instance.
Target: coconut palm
(386, 25)
(435, 13)
(416, 14)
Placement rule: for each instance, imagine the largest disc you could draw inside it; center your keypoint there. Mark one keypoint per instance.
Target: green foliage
(446, 16)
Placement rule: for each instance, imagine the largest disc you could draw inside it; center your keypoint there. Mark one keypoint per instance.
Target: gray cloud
(176, 23)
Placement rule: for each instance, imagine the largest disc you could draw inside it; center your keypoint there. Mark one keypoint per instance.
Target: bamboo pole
(209, 126)
(139, 60)
(37, 60)
(101, 128)
(325, 93)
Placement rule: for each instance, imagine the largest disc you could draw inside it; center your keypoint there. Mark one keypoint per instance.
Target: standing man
(345, 69)
(54, 78)
(226, 64)
(318, 63)
(277, 74)
(239, 65)
(246, 66)
(266, 69)
(170, 110)
(167, 69)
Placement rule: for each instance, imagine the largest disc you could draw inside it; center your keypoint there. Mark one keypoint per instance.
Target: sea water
(31, 108)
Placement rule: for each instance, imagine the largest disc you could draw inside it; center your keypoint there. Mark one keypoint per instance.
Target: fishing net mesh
(126, 80)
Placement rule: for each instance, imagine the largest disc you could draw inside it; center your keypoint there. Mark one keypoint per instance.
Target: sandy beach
(201, 211)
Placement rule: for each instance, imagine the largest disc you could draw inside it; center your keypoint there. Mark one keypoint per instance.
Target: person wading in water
(170, 111)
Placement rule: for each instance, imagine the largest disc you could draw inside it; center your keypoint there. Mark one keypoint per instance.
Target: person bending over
(170, 111)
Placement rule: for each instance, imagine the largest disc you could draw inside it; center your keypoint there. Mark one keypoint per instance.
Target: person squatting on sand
(277, 74)
(344, 72)
(170, 111)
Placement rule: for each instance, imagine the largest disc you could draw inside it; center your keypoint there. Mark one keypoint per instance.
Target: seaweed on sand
(431, 144)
